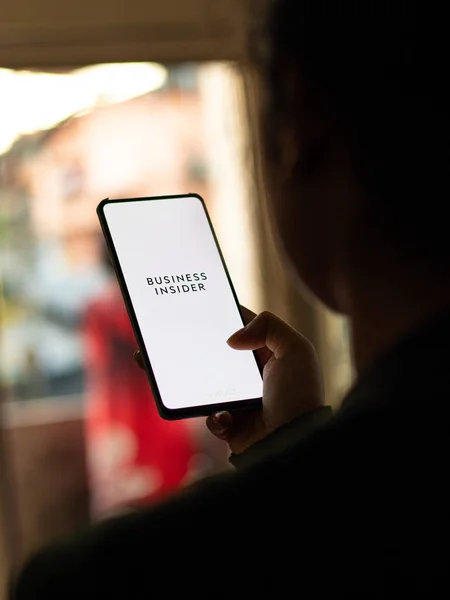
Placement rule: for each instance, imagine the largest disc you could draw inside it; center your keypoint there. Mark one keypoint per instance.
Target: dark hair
(380, 69)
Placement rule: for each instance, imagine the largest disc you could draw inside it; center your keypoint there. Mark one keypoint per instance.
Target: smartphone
(181, 303)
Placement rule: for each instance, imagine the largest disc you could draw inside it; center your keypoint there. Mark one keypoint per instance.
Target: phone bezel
(165, 412)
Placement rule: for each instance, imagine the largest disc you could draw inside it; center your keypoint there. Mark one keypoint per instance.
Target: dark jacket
(359, 507)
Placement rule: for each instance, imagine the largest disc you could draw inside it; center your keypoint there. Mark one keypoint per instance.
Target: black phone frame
(170, 414)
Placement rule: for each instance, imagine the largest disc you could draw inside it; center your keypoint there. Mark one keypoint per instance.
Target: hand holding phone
(292, 381)
(181, 303)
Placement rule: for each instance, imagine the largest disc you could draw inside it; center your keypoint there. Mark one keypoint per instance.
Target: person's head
(356, 124)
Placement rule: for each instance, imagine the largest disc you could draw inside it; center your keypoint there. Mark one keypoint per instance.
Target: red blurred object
(134, 456)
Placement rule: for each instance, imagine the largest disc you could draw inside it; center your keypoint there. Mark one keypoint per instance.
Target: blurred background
(114, 99)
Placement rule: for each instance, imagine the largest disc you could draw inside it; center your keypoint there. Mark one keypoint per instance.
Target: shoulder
(288, 496)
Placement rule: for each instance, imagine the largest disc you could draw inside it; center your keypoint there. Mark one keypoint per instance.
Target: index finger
(268, 331)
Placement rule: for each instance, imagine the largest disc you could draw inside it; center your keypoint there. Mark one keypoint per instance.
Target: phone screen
(182, 300)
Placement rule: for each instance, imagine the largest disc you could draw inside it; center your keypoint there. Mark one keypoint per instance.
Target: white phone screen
(183, 301)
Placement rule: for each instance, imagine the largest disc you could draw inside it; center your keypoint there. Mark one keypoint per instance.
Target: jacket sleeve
(283, 438)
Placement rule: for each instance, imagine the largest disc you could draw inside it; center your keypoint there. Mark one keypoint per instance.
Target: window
(83, 436)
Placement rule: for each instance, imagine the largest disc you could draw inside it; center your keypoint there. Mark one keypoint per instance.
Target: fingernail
(220, 424)
(217, 418)
(138, 359)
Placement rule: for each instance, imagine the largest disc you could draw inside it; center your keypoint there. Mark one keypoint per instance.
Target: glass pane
(83, 436)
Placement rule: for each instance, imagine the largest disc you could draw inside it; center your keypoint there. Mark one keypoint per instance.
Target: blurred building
(148, 145)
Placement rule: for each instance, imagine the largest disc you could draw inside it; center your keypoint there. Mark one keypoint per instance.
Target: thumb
(267, 330)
